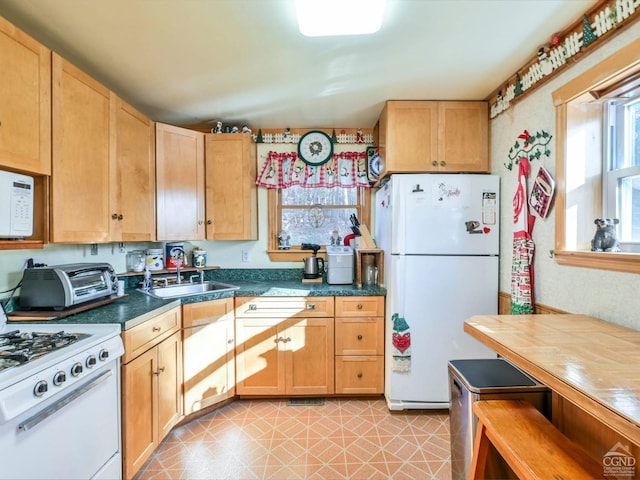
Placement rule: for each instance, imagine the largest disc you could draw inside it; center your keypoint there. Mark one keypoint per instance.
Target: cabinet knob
(443, 163)
(287, 340)
(114, 216)
(360, 375)
(156, 329)
(253, 306)
(159, 371)
(279, 339)
(311, 306)
(120, 217)
(230, 341)
(200, 222)
(434, 163)
(359, 337)
(209, 222)
(360, 306)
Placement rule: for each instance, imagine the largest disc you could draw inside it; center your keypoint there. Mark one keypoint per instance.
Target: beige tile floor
(270, 440)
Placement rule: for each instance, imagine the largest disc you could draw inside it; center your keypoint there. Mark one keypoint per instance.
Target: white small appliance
(440, 236)
(339, 265)
(16, 196)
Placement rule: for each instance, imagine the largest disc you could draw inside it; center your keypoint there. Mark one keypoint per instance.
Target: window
(586, 190)
(310, 215)
(622, 168)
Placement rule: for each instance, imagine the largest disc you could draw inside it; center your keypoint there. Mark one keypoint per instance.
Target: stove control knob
(104, 354)
(59, 378)
(91, 361)
(76, 369)
(41, 388)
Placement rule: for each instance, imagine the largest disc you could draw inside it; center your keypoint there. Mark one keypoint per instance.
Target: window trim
(295, 254)
(613, 69)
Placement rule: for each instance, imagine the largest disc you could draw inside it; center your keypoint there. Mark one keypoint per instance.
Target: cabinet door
(463, 137)
(139, 411)
(411, 134)
(25, 97)
(133, 175)
(179, 183)
(169, 375)
(259, 361)
(309, 358)
(231, 191)
(208, 352)
(80, 172)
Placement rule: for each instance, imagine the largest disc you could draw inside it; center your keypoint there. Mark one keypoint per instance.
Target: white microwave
(16, 192)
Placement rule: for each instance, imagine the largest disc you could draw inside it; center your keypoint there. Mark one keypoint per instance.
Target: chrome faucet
(200, 275)
(175, 253)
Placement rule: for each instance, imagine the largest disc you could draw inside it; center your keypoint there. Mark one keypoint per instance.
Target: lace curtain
(282, 170)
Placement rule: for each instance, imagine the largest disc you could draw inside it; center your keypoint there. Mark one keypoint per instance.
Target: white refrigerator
(440, 237)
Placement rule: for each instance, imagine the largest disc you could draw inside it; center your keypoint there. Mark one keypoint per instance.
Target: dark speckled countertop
(136, 307)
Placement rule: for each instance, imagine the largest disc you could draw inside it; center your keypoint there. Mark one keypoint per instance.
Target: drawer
(284, 307)
(360, 336)
(360, 375)
(359, 306)
(148, 334)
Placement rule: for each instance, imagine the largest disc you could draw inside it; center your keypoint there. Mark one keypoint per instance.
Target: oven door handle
(31, 422)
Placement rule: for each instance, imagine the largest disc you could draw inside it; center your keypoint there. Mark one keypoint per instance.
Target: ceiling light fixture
(318, 18)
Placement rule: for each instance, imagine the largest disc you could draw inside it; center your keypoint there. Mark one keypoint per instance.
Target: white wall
(607, 295)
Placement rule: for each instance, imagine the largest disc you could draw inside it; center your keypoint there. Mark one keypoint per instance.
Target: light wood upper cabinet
(463, 136)
(81, 143)
(231, 191)
(179, 183)
(103, 159)
(429, 136)
(133, 174)
(25, 102)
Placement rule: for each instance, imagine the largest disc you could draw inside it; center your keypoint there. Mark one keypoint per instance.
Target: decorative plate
(373, 162)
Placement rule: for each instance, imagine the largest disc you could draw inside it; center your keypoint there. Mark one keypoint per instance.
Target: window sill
(295, 254)
(615, 261)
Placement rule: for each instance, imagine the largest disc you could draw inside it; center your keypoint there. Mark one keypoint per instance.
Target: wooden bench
(528, 442)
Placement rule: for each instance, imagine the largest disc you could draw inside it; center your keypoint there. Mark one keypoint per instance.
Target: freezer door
(435, 295)
(445, 214)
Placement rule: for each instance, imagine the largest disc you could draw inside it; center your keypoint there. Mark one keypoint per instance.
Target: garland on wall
(601, 22)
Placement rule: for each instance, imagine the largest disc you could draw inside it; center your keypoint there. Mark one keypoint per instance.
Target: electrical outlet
(245, 256)
(94, 249)
(121, 247)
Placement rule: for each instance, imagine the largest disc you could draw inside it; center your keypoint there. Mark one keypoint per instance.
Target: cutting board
(50, 314)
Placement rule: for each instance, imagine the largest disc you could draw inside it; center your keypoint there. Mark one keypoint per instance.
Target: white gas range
(60, 400)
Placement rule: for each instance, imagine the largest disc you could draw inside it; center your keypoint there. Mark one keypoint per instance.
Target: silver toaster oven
(64, 286)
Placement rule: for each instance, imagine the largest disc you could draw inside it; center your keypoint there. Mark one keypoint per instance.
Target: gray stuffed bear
(605, 239)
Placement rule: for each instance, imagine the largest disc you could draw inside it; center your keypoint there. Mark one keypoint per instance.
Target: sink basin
(186, 289)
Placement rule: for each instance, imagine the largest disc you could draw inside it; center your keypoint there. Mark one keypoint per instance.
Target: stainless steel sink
(186, 289)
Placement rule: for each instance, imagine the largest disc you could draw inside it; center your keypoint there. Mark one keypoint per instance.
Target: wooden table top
(590, 362)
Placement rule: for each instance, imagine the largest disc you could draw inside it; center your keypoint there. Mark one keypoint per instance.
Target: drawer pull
(360, 306)
(156, 329)
(311, 306)
(360, 375)
(253, 306)
(359, 337)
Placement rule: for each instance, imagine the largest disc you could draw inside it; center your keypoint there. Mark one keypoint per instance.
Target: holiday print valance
(282, 170)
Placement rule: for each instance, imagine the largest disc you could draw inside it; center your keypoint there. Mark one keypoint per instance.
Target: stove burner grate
(18, 348)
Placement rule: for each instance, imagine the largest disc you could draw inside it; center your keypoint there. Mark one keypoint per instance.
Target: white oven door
(75, 435)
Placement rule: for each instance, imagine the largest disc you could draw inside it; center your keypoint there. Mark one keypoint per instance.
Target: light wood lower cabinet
(359, 345)
(285, 346)
(151, 387)
(208, 352)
